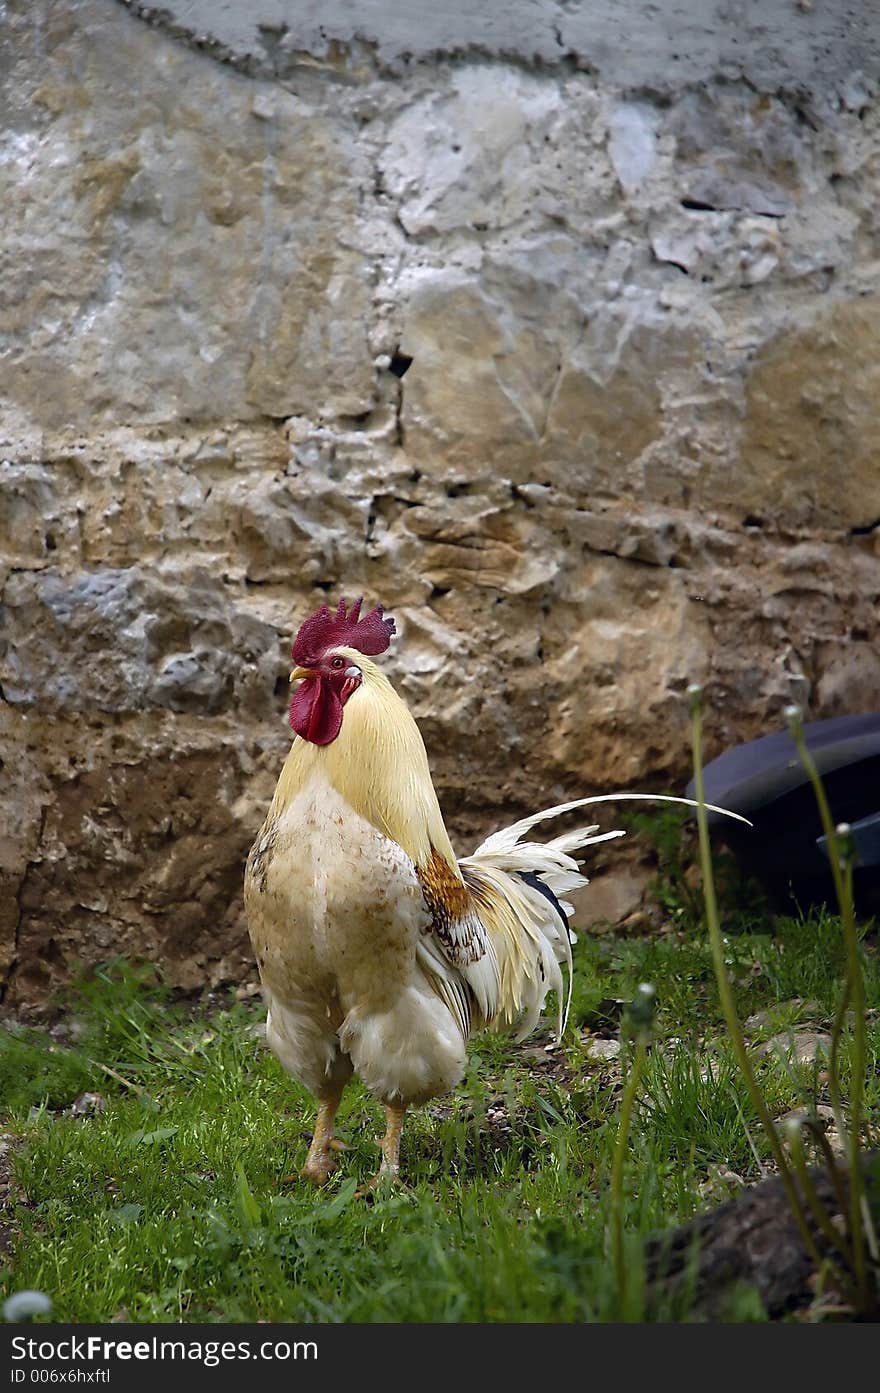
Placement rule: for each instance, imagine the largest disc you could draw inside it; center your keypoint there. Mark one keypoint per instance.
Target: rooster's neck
(379, 766)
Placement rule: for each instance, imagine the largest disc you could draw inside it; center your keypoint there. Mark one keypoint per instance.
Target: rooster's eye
(338, 662)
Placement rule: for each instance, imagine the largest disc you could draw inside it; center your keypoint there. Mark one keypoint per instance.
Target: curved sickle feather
(508, 836)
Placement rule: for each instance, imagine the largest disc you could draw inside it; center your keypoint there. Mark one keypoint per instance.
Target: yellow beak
(301, 672)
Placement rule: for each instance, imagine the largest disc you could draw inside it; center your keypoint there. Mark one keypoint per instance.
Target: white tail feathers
(509, 880)
(529, 940)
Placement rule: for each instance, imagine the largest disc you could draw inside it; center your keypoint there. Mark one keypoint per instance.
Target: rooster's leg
(390, 1144)
(321, 1162)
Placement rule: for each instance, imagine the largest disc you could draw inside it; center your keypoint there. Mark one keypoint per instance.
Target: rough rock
(612, 896)
(87, 1105)
(562, 344)
(771, 1018)
(801, 1046)
(602, 1051)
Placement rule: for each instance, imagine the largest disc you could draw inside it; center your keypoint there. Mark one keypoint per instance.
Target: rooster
(379, 951)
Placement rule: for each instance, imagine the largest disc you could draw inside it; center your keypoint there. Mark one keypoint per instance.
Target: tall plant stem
(724, 990)
(840, 854)
(617, 1167)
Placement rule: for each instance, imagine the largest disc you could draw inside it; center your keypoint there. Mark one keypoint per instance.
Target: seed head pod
(24, 1305)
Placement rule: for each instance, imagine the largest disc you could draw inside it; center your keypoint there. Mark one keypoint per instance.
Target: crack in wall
(636, 45)
(350, 59)
(19, 894)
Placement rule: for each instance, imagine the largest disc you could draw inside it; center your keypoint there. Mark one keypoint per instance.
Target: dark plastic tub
(765, 781)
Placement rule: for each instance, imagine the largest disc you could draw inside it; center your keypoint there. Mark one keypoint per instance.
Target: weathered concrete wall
(633, 258)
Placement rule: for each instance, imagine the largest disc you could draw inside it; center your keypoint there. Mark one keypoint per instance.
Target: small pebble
(603, 1049)
(87, 1105)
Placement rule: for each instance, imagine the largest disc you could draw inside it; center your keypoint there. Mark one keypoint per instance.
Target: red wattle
(316, 711)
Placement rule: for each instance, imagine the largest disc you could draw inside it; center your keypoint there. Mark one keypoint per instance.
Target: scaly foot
(388, 1175)
(321, 1162)
(319, 1166)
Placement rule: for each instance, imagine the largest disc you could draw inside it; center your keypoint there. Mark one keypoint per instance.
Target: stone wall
(633, 260)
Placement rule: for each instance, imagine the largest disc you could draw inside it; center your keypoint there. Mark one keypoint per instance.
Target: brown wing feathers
(455, 923)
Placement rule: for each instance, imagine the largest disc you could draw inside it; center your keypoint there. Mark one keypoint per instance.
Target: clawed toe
(386, 1181)
(318, 1169)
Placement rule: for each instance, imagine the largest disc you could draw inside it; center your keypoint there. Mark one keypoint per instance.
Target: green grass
(180, 1201)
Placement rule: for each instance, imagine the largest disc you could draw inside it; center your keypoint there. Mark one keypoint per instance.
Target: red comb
(324, 630)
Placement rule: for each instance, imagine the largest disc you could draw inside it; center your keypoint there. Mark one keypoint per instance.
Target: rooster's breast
(334, 906)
